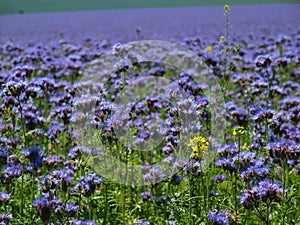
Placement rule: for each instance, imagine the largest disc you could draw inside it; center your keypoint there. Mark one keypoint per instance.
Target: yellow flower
(226, 8)
(222, 38)
(194, 155)
(245, 147)
(238, 131)
(6, 111)
(208, 49)
(199, 147)
(233, 217)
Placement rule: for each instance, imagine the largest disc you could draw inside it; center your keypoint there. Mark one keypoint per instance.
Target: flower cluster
(237, 131)
(199, 146)
(265, 191)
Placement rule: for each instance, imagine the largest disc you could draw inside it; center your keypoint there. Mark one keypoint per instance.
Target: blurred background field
(155, 23)
(30, 6)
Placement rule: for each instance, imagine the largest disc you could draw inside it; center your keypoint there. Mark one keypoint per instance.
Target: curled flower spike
(238, 131)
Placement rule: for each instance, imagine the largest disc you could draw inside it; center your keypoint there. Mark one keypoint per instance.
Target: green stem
(267, 130)
(106, 206)
(22, 122)
(227, 41)
(22, 191)
(283, 165)
(204, 192)
(190, 200)
(167, 194)
(236, 178)
(123, 74)
(267, 213)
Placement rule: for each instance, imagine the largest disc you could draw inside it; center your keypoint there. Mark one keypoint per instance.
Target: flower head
(71, 208)
(4, 197)
(239, 130)
(82, 222)
(245, 147)
(5, 218)
(142, 222)
(265, 191)
(219, 179)
(88, 184)
(44, 208)
(219, 218)
(199, 147)
(226, 8)
(35, 155)
(263, 61)
(3, 155)
(208, 49)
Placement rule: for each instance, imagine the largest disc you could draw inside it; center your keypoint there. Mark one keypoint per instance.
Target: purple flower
(146, 195)
(145, 168)
(44, 208)
(176, 179)
(227, 150)
(3, 155)
(282, 62)
(57, 205)
(35, 155)
(4, 197)
(5, 218)
(82, 222)
(71, 208)
(263, 61)
(76, 151)
(14, 89)
(13, 171)
(269, 191)
(245, 158)
(257, 170)
(250, 199)
(219, 218)
(212, 193)
(155, 174)
(64, 177)
(219, 178)
(142, 222)
(266, 191)
(87, 185)
(263, 115)
(62, 112)
(284, 150)
(52, 160)
(226, 164)
(193, 167)
(54, 130)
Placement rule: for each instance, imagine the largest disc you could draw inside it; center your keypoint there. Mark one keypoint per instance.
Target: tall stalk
(227, 36)
(190, 200)
(283, 177)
